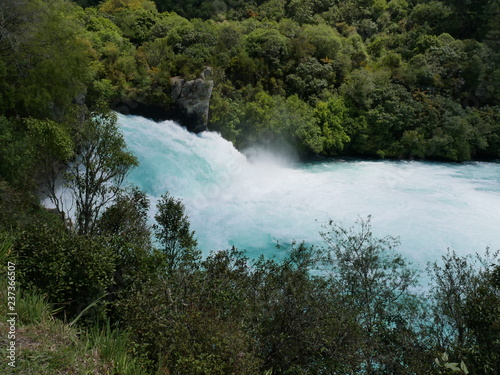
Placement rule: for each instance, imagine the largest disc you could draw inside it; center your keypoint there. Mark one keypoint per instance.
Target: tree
(482, 317)
(376, 281)
(127, 217)
(370, 272)
(269, 45)
(126, 225)
(464, 301)
(46, 56)
(271, 120)
(311, 79)
(174, 234)
(331, 115)
(134, 17)
(359, 88)
(73, 270)
(430, 15)
(50, 146)
(15, 159)
(101, 165)
(301, 324)
(273, 10)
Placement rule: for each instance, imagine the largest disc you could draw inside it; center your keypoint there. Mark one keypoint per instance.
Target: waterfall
(255, 201)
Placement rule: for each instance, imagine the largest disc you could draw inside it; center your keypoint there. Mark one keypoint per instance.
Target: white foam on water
(253, 204)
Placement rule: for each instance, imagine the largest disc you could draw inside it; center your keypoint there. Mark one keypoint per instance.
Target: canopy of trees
(415, 80)
(371, 78)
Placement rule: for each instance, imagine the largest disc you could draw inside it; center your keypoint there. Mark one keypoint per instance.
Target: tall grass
(5, 247)
(33, 308)
(113, 346)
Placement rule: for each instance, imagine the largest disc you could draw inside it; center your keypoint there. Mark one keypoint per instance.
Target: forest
(105, 291)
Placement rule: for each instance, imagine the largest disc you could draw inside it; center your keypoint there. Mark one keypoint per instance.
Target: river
(255, 200)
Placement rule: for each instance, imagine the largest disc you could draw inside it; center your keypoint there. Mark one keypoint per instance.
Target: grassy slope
(45, 345)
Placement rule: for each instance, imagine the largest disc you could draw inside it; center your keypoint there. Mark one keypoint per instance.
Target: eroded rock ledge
(189, 105)
(192, 100)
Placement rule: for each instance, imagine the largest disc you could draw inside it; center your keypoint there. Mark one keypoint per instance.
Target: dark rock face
(151, 111)
(191, 100)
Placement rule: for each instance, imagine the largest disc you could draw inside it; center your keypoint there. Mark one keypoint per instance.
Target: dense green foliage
(414, 80)
(390, 79)
(398, 79)
(50, 346)
(349, 306)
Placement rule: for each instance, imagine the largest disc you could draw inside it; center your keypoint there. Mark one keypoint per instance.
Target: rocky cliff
(190, 101)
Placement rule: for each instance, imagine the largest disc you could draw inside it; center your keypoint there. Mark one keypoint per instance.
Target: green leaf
(463, 367)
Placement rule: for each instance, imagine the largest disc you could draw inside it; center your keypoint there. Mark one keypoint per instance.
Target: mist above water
(254, 201)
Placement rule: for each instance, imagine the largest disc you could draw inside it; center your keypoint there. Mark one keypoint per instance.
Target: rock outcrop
(191, 101)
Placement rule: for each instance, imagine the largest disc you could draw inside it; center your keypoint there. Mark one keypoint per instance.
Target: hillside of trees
(390, 79)
(386, 79)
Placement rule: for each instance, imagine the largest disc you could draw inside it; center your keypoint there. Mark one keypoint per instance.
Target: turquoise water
(256, 200)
